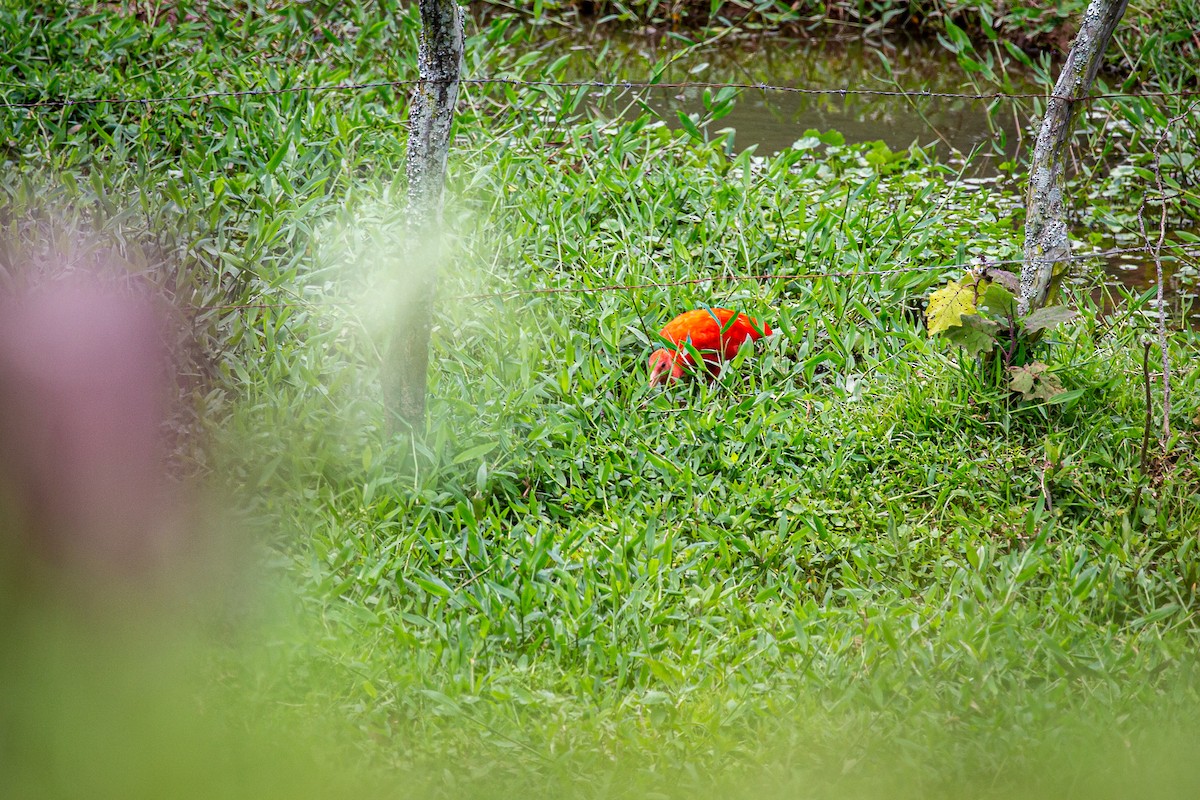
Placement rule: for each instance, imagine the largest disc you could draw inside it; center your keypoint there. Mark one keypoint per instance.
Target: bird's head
(664, 365)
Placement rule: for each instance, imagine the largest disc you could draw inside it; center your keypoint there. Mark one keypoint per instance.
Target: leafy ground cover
(849, 566)
(1030, 26)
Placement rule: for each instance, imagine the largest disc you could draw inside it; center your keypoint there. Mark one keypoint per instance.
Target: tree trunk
(430, 115)
(1047, 241)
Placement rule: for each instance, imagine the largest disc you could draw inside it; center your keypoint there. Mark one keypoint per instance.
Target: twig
(1142, 463)
(1155, 250)
(1047, 464)
(1149, 405)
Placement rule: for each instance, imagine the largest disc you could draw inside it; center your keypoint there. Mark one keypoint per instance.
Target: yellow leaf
(948, 304)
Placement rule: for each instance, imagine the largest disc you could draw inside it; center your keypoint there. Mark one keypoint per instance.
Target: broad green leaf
(812, 137)
(976, 335)
(663, 671)
(1009, 280)
(881, 155)
(1035, 382)
(1065, 396)
(1048, 387)
(969, 64)
(948, 305)
(834, 138)
(1048, 317)
(998, 301)
(1022, 380)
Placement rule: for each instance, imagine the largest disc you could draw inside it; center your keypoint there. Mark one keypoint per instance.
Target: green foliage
(960, 22)
(948, 304)
(973, 333)
(979, 315)
(570, 583)
(1033, 382)
(1047, 317)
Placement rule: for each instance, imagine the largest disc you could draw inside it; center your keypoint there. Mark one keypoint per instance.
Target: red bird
(703, 328)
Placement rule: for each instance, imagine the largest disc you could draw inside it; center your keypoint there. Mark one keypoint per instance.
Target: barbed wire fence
(1150, 249)
(32, 106)
(976, 263)
(568, 84)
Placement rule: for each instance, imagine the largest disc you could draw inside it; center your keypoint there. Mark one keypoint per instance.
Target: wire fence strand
(580, 84)
(978, 263)
(626, 85)
(981, 262)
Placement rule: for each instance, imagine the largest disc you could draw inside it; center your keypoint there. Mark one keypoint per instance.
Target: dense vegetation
(850, 565)
(1033, 26)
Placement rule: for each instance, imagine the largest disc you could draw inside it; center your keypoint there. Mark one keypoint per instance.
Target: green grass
(849, 566)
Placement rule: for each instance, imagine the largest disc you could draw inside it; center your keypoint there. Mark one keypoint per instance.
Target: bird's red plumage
(711, 332)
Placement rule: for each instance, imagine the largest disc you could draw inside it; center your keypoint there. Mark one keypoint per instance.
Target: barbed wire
(629, 86)
(981, 262)
(977, 263)
(589, 84)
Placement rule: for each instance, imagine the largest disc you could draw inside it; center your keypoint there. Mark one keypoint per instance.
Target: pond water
(772, 120)
(1135, 273)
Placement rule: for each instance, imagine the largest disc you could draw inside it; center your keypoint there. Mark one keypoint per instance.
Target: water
(772, 120)
(1136, 273)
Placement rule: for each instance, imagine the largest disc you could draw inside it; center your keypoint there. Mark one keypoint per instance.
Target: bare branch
(1155, 250)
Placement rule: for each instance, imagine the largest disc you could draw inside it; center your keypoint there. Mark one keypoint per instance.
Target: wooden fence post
(430, 116)
(1047, 240)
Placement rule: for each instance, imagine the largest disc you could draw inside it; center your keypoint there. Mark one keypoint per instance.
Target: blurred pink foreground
(84, 389)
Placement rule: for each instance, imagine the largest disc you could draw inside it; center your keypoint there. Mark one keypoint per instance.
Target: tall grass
(848, 566)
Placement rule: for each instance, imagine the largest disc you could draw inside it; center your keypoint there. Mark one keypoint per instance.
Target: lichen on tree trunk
(1047, 239)
(430, 116)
